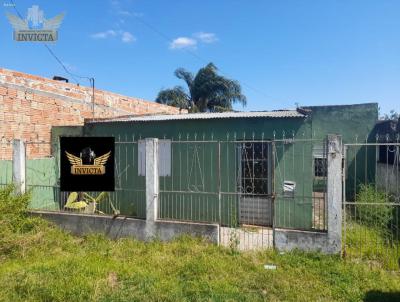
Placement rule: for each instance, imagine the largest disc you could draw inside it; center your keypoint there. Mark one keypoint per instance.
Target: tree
(207, 91)
(393, 115)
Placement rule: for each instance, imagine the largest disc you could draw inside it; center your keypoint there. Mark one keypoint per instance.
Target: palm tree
(207, 91)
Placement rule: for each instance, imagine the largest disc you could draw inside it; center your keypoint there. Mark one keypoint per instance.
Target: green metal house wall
(293, 162)
(291, 212)
(355, 123)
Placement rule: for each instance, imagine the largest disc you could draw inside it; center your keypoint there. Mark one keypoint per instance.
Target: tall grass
(371, 246)
(372, 229)
(40, 262)
(372, 209)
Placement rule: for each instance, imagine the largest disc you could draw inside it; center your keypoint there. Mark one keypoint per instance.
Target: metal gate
(255, 183)
(227, 182)
(371, 203)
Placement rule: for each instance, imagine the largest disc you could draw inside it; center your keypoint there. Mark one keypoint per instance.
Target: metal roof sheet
(201, 116)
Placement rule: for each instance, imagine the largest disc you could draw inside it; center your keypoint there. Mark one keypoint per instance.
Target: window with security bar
(320, 160)
(389, 154)
(254, 168)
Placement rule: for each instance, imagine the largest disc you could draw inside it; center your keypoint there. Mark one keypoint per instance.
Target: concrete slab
(123, 227)
(247, 238)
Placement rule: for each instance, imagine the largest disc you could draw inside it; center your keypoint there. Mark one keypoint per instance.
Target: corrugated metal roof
(201, 116)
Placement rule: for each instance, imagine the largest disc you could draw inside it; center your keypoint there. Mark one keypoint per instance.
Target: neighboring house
(388, 156)
(30, 105)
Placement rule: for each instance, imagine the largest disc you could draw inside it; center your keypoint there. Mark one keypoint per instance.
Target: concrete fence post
(18, 166)
(152, 183)
(334, 193)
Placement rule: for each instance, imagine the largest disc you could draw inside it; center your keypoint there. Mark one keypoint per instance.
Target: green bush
(371, 208)
(15, 223)
(13, 209)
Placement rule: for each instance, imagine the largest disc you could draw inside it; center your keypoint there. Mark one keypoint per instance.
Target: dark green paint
(292, 161)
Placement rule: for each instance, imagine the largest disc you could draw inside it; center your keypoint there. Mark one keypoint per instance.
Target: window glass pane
(320, 167)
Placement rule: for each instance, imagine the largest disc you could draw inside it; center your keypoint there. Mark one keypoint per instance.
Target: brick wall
(30, 105)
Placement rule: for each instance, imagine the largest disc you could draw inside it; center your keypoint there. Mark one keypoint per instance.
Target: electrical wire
(161, 34)
(74, 76)
(204, 61)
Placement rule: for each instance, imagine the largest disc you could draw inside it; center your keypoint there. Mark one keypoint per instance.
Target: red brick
(3, 90)
(29, 114)
(11, 92)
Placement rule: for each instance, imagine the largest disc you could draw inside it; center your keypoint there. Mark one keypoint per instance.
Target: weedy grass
(372, 234)
(371, 246)
(39, 262)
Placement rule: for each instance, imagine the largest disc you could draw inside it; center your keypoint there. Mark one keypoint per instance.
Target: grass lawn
(370, 245)
(39, 262)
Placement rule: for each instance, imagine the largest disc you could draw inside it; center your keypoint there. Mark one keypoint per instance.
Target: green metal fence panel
(371, 205)
(5, 172)
(130, 190)
(297, 205)
(189, 185)
(41, 182)
(5, 163)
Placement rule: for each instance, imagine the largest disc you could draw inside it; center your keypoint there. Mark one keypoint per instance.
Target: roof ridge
(202, 115)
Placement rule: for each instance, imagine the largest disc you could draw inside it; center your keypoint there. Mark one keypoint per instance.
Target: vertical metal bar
(355, 170)
(283, 180)
(117, 202)
(181, 205)
(180, 163)
(344, 198)
(397, 231)
(304, 177)
(387, 167)
(203, 171)
(377, 150)
(273, 192)
(191, 207)
(196, 160)
(253, 182)
(325, 195)
(366, 162)
(170, 210)
(187, 164)
(172, 163)
(263, 179)
(397, 159)
(126, 159)
(219, 182)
